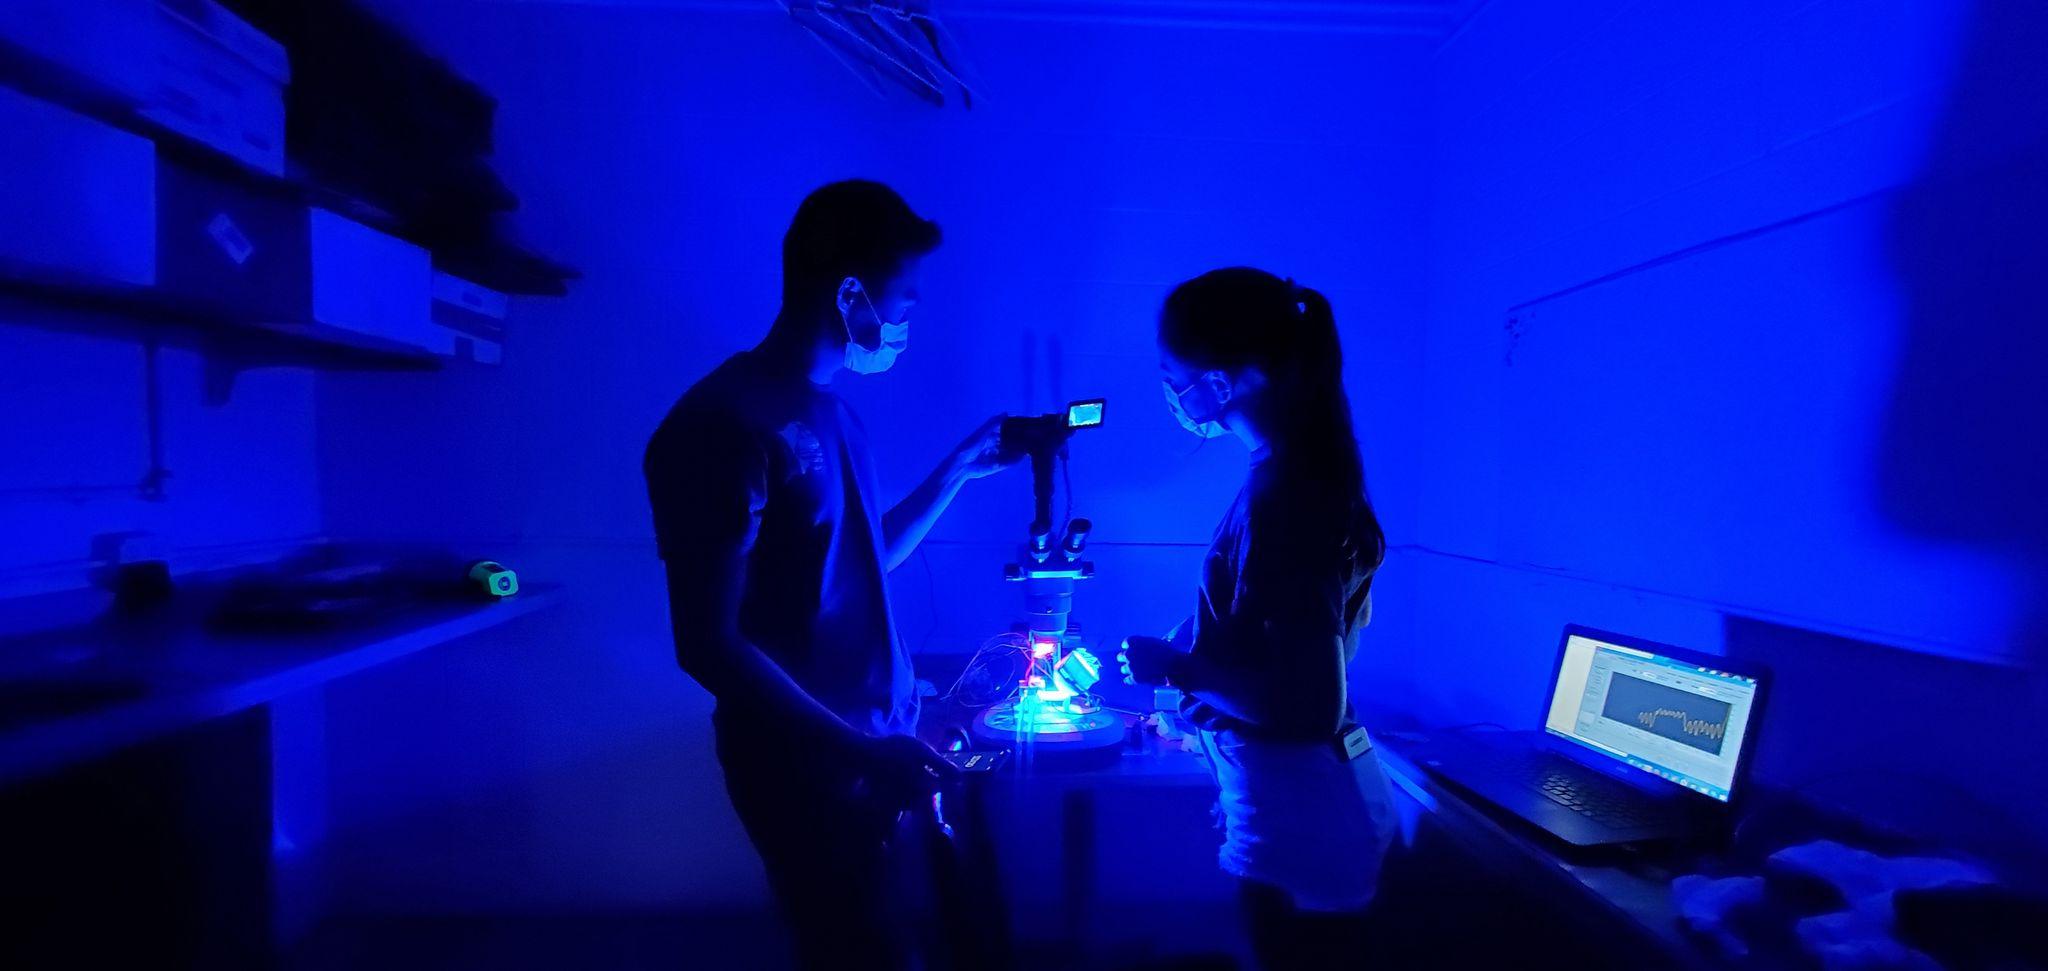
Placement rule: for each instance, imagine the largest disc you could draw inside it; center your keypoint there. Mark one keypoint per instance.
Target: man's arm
(704, 595)
(707, 481)
(704, 590)
(911, 520)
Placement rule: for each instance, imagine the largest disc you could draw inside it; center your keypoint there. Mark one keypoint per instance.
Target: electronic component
(1086, 414)
(1043, 439)
(1080, 670)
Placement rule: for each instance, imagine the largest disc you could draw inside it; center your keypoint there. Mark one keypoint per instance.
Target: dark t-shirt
(779, 467)
(1290, 569)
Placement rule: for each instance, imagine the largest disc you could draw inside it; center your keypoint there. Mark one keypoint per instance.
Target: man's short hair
(853, 228)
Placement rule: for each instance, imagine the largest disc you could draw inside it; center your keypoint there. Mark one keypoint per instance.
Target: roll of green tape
(495, 579)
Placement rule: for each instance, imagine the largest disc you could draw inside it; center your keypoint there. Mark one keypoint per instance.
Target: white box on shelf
(111, 47)
(469, 319)
(221, 82)
(187, 65)
(233, 33)
(369, 282)
(79, 201)
(469, 300)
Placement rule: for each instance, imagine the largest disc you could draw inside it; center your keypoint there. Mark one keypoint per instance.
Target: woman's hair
(1240, 317)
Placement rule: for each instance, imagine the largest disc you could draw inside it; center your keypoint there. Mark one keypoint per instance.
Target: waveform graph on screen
(1681, 716)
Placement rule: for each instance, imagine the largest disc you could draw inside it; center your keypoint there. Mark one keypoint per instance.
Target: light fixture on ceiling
(889, 42)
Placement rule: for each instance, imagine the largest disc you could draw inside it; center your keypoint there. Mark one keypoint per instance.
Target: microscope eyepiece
(1077, 536)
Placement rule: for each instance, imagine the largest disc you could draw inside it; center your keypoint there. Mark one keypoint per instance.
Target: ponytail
(1319, 413)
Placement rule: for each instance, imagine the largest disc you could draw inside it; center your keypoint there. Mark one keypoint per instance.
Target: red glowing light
(1044, 648)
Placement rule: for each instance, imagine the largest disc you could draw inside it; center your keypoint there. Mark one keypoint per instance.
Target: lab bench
(137, 759)
(1115, 858)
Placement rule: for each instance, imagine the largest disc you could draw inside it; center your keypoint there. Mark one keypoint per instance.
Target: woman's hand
(980, 455)
(1146, 660)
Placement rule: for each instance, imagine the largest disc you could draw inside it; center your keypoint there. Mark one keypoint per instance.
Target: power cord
(1067, 484)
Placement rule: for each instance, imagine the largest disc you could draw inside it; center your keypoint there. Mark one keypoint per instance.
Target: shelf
(234, 342)
(78, 694)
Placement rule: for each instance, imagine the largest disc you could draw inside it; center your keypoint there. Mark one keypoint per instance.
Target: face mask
(1209, 428)
(895, 338)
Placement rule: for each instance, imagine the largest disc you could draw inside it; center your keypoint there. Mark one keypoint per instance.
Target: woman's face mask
(1202, 418)
(893, 339)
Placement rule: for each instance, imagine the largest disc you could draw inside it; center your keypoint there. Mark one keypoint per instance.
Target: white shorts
(1302, 818)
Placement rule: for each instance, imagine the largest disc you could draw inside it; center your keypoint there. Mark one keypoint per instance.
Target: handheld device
(982, 761)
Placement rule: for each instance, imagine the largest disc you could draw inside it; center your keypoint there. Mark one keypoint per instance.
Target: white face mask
(861, 359)
(1210, 428)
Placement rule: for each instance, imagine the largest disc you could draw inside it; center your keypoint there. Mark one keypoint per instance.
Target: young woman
(1283, 593)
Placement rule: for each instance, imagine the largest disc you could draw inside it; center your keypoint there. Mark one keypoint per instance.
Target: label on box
(230, 239)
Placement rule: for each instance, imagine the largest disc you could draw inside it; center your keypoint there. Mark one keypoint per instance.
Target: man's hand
(1146, 660)
(902, 771)
(907, 524)
(980, 455)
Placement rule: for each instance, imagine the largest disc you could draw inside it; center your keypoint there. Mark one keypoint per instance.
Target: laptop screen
(1674, 719)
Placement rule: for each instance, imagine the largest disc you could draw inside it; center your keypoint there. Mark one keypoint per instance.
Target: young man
(766, 513)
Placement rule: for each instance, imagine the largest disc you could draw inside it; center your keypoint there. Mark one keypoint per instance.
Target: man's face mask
(894, 338)
(1200, 420)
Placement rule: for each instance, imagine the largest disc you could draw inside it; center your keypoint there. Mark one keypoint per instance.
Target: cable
(1067, 486)
(976, 658)
(1008, 647)
(1456, 728)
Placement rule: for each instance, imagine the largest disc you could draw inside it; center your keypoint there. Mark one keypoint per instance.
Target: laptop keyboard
(1608, 803)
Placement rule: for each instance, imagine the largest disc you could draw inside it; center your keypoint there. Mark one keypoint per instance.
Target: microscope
(1050, 709)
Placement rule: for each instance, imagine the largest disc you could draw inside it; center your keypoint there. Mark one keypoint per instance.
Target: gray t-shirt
(779, 466)
(1290, 569)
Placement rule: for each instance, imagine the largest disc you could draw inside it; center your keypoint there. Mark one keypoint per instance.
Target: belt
(1349, 744)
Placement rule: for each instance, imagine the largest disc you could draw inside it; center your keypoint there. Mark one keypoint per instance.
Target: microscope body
(1047, 568)
(1052, 707)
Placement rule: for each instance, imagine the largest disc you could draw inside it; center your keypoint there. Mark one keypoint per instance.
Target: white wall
(1731, 324)
(74, 423)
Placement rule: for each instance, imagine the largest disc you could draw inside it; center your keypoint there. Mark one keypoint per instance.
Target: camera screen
(1085, 414)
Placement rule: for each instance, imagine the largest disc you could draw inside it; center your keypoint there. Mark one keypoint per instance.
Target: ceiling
(1421, 18)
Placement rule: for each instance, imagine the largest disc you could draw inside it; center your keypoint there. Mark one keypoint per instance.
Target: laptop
(1641, 741)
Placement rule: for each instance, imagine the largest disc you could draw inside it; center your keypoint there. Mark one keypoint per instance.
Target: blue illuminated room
(1094, 485)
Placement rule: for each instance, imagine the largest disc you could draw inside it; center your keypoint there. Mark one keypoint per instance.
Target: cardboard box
(221, 82)
(269, 257)
(188, 65)
(108, 47)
